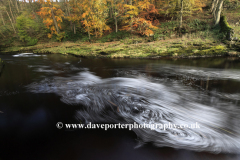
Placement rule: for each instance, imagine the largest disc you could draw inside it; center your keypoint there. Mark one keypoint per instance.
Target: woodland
(47, 24)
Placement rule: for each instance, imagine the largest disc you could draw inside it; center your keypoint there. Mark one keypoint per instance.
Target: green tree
(27, 29)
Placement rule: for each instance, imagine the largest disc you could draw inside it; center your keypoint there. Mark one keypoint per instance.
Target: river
(38, 91)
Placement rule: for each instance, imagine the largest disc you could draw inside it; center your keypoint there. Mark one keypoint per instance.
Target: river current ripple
(143, 100)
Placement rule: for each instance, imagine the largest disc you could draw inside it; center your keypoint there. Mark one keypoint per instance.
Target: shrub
(32, 41)
(114, 36)
(60, 36)
(27, 29)
(7, 32)
(70, 36)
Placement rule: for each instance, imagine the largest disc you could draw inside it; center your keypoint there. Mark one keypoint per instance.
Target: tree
(116, 11)
(149, 12)
(137, 18)
(27, 28)
(2, 19)
(217, 6)
(130, 15)
(52, 17)
(3, 8)
(94, 17)
(73, 13)
(180, 8)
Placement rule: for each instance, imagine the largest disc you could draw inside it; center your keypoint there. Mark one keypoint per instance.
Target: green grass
(177, 48)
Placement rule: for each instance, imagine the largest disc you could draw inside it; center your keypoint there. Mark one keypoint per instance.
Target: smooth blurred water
(37, 91)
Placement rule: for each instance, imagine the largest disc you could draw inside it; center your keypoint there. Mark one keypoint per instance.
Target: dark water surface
(38, 91)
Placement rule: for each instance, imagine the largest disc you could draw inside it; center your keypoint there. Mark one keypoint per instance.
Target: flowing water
(38, 91)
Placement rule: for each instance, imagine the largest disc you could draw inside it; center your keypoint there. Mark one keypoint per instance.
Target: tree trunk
(95, 31)
(110, 13)
(111, 10)
(181, 15)
(54, 21)
(115, 16)
(2, 34)
(11, 2)
(68, 13)
(218, 12)
(20, 6)
(177, 9)
(89, 33)
(74, 28)
(13, 6)
(131, 26)
(214, 9)
(116, 24)
(68, 9)
(17, 6)
(213, 4)
(11, 22)
(13, 18)
(2, 19)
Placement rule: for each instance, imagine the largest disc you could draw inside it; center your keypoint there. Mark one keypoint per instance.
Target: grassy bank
(134, 48)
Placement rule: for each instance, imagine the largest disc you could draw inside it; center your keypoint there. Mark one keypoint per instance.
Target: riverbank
(134, 48)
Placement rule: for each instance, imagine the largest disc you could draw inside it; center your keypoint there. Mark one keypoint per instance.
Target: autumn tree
(94, 17)
(137, 18)
(149, 12)
(180, 8)
(129, 16)
(52, 17)
(73, 12)
(99, 9)
(116, 11)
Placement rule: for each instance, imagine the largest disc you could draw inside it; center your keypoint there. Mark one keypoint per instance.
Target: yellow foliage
(94, 16)
(46, 14)
(49, 35)
(144, 4)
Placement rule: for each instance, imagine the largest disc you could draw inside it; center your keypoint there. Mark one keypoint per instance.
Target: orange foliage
(143, 26)
(150, 13)
(46, 14)
(199, 4)
(140, 18)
